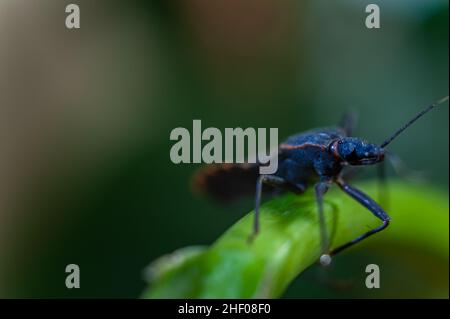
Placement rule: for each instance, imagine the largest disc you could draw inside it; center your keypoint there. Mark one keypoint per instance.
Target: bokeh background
(85, 118)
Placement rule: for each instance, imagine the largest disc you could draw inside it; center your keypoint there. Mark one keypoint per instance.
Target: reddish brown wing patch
(226, 182)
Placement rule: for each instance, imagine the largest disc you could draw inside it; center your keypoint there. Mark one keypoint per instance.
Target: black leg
(321, 188)
(348, 123)
(272, 180)
(383, 191)
(403, 171)
(371, 205)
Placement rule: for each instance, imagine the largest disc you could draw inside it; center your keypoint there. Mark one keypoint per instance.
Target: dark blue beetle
(315, 157)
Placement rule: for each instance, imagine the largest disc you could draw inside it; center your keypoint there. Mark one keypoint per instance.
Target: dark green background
(105, 194)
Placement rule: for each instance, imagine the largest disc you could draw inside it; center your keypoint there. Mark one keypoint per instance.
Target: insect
(313, 158)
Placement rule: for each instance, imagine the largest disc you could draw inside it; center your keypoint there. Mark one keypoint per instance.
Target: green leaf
(289, 242)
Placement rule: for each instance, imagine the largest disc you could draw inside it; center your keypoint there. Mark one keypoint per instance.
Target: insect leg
(371, 205)
(272, 180)
(383, 191)
(348, 122)
(403, 171)
(321, 188)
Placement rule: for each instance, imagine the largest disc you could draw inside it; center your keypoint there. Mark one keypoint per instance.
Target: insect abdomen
(226, 182)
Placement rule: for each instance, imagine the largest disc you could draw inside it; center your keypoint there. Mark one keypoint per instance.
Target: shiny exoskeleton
(313, 158)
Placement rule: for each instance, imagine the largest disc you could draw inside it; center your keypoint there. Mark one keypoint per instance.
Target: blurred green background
(85, 118)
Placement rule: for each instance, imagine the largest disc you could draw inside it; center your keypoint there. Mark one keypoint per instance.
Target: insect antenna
(415, 118)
